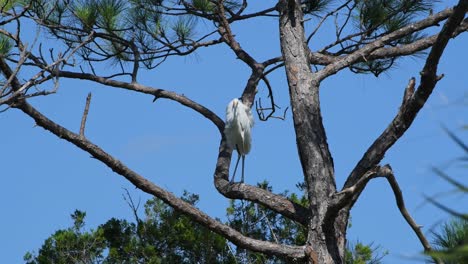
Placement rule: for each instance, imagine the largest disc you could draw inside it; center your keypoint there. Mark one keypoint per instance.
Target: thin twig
(85, 115)
(388, 174)
(128, 198)
(270, 227)
(232, 252)
(325, 18)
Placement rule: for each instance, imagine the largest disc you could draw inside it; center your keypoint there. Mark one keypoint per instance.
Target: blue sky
(45, 179)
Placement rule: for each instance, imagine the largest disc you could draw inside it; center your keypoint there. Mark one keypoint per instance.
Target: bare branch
(150, 188)
(325, 58)
(410, 49)
(128, 198)
(85, 115)
(324, 18)
(226, 33)
(365, 51)
(348, 196)
(157, 93)
(285, 206)
(410, 106)
(272, 108)
(387, 173)
(254, 194)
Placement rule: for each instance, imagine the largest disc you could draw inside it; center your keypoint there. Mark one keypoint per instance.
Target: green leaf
(109, 11)
(5, 45)
(204, 5)
(87, 12)
(7, 5)
(183, 28)
(315, 6)
(451, 242)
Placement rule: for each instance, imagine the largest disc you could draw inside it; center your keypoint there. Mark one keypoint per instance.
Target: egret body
(239, 122)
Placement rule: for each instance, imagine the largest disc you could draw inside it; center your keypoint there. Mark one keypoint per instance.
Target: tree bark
(325, 240)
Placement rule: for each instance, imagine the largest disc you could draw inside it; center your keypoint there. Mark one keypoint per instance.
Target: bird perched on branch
(239, 122)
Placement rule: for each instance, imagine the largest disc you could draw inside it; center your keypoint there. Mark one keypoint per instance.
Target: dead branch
(365, 51)
(275, 202)
(228, 37)
(387, 173)
(157, 93)
(411, 105)
(272, 108)
(85, 115)
(150, 188)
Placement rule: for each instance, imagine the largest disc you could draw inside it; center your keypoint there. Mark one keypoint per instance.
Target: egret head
(235, 103)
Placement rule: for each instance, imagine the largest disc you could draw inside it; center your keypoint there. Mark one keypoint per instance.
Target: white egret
(239, 122)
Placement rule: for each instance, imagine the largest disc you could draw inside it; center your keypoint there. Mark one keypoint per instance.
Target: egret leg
(243, 161)
(235, 169)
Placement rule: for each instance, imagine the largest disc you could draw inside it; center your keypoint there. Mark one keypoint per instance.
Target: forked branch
(387, 173)
(348, 196)
(413, 100)
(279, 203)
(365, 51)
(151, 188)
(157, 93)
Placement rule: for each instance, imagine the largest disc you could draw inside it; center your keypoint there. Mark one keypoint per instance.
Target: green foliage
(363, 254)
(7, 5)
(110, 12)
(5, 45)
(87, 12)
(315, 6)
(167, 236)
(183, 28)
(451, 242)
(377, 17)
(71, 245)
(164, 236)
(261, 223)
(390, 15)
(204, 5)
(147, 19)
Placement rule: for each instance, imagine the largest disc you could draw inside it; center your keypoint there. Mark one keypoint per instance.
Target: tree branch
(365, 51)
(270, 200)
(410, 49)
(388, 174)
(157, 93)
(413, 102)
(278, 203)
(347, 197)
(85, 115)
(224, 29)
(326, 58)
(150, 188)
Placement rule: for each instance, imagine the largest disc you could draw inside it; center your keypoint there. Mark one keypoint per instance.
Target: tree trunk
(326, 235)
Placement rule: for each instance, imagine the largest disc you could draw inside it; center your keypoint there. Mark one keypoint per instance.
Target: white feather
(239, 122)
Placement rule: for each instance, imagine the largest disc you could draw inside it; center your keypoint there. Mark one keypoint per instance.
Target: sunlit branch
(404, 212)
(363, 52)
(157, 93)
(150, 188)
(413, 100)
